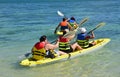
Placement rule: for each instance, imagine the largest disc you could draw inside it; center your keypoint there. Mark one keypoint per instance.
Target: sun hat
(83, 30)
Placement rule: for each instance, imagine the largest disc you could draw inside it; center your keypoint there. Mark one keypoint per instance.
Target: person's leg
(92, 43)
(76, 46)
(61, 53)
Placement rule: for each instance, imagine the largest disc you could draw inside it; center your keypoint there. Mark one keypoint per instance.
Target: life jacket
(82, 41)
(71, 22)
(64, 25)
(64, 44)
(39, 51)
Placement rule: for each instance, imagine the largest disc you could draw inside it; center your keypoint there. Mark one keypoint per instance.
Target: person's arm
(69, 26)
(92, 35)
(51, 46)
(70, 37)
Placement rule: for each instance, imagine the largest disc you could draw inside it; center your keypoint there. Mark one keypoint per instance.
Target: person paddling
(40, 48)
(73, 23)
(63, 25)
(64, 43)
(83, 38)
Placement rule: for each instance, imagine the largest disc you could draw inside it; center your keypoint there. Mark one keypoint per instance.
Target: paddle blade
(25, 55)
(60, 13)
(83, 21)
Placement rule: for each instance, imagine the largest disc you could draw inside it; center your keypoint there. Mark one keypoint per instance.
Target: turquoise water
(21, 25)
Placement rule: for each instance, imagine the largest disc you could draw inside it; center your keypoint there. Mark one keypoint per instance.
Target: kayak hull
(100, 43)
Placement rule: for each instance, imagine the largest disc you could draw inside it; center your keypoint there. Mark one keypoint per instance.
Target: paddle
(54, 41)
(25, 55)
(99, 25)
(74, 31)
(61, 14)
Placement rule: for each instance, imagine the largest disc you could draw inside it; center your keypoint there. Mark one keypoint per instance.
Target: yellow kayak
(100, 44)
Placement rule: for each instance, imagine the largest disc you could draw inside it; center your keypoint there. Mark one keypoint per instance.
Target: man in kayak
(63, 25)
(64, 43)
(40, 48)
(44, 49)
(73, 23)
(83, 38)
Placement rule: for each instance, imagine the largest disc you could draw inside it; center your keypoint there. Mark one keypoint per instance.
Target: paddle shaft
(53, 41)
(99, 25)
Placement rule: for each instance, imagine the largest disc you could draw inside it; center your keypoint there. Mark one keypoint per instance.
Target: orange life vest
(63, 23)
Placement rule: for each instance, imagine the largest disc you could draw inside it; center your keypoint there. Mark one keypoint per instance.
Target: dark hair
(42, 38)
(64, 19)
(72, 18)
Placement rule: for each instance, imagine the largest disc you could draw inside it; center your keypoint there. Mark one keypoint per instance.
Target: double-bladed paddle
(99, 25)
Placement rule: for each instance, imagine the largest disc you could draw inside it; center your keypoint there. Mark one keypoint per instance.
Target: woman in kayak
(63, 25)
(83, 38)
(64, 43)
